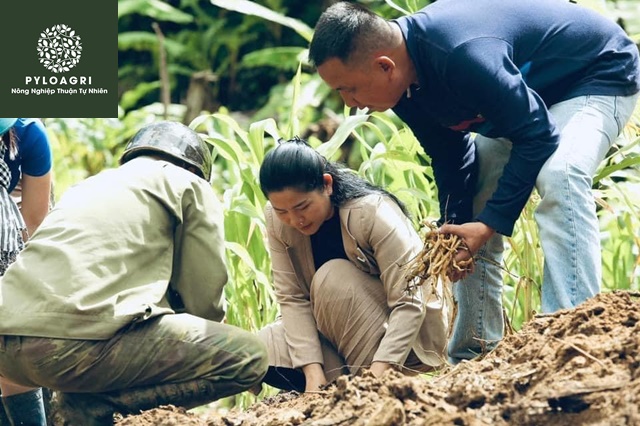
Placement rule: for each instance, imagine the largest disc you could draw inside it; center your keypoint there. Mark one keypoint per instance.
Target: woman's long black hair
(296, 165)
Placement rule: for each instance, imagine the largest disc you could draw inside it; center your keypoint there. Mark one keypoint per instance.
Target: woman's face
(305, 211)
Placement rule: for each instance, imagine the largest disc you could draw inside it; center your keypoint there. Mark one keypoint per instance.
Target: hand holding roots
(436, 260)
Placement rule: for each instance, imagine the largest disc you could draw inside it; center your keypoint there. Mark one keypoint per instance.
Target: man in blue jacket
(504, 97)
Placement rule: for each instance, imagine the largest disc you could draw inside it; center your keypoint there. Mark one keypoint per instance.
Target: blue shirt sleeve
(481, 73)
(34, 148)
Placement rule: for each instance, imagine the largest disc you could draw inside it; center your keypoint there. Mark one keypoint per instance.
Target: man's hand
(314, 375)
(474, 235)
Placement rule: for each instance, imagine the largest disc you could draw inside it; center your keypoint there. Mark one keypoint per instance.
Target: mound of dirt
(578, 366)
(165, 415)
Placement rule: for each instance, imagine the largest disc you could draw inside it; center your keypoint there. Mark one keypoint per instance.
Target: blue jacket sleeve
(483, 76)
(33, 146)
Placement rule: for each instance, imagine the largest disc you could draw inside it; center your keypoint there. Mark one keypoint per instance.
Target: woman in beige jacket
(339, 248)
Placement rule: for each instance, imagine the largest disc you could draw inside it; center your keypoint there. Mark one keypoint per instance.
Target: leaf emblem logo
(59, 48)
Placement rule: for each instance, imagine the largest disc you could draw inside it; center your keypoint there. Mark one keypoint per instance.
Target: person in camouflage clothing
(116, 301)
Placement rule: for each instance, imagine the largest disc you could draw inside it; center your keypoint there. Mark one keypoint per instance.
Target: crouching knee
(253, 363)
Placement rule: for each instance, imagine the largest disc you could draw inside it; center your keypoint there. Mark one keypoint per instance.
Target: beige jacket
(380, 240)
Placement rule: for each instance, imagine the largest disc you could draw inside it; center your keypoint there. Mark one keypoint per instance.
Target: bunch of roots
(436, 261)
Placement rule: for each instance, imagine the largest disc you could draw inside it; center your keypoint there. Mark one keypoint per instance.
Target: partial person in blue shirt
(504, 97)
(25, 156)
(29, 160)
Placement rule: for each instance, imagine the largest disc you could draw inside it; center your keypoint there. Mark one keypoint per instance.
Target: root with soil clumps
(436, 261)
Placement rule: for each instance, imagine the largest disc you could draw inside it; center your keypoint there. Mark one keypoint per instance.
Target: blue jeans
(566, 218)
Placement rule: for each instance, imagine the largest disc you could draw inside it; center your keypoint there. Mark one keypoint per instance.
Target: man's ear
(385, 63)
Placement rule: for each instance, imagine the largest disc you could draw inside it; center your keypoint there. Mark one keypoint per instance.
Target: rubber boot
(186, 395)
(97, 409)
(25, 409)
(75, 409)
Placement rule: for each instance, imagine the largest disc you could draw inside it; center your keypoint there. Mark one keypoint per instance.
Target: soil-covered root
(436, 261)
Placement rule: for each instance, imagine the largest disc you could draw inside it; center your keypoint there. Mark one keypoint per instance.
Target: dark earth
(577, 366)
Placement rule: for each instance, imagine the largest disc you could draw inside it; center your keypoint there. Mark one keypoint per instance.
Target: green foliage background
(236, 72)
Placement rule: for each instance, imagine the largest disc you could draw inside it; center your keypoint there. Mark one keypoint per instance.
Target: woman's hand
(314, 375)
(378, 367)
(474, 235)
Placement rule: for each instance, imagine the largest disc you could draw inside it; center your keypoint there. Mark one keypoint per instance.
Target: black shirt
(326, 244)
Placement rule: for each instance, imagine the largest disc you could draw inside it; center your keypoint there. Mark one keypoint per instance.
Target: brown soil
(578, 366)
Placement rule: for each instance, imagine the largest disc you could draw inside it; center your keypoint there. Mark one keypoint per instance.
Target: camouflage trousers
(218, 359)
